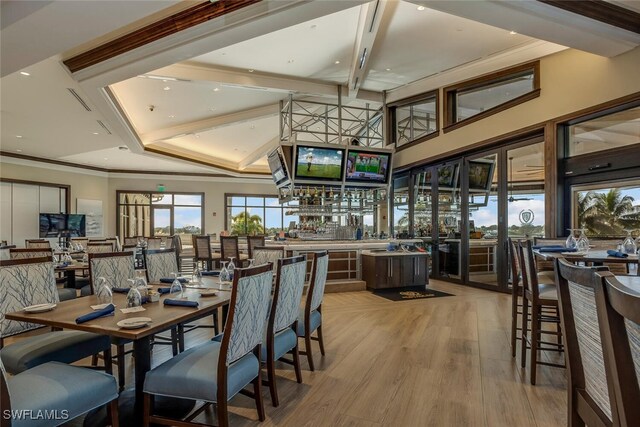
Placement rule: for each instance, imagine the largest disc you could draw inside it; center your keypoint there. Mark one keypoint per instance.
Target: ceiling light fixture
(216, 89)
(251, 70)
(166, 88)
(421, 8)
(172, 116)
(96, 133)
(19, 150)
(18, 136)
(290, 61)
(106, 158)
(512, 32)
(388, 69)
(24, 73)
(163, 78)
(337, 62)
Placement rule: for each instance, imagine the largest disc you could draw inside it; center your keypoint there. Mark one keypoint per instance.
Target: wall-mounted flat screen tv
(65, 225)
(480, 175)
(278, 166)
(367, 166)
(314, 163)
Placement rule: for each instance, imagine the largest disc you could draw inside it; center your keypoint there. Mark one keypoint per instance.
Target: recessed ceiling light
(106, 158)
(337, 62)
(253, 126)
(387, 69)
(24, 73)
(512, 32)
(96, 133)
(216, 89)
(196, 135)
(166, 88)
(313, 27)
(19, 150)
(290, 61)
(212, 108)
(421, 8)
(250, 70)
(18, 136)
(172, 116)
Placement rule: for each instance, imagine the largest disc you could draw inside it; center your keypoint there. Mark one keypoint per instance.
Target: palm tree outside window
(608, 212)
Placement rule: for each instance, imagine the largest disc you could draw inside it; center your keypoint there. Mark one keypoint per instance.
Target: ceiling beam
(371, 15)
(258, 81)
(211, 123)
(259, 153)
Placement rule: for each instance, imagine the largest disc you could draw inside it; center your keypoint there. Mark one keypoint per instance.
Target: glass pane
(604, 133)
(187, 220)
(254, 221)
(449, 215)
(403, 124)
(162, 199)
(236, 201)
(273, 220)
(135, 221)
(187, 199)
(525, 207)
(476, 100)
(422, 212)
(424, 118)
(483, 220)
(162, 222)
(255, 201)
(401, 206)
(237, 221)
(608, 210)
(135, 198)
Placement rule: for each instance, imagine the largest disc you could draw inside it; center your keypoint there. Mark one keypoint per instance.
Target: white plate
(208, 292)
(134, 322)
(40, 308)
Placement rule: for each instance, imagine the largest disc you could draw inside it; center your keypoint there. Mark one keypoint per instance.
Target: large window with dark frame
(257, 214)
(481, 97)
(415, 120)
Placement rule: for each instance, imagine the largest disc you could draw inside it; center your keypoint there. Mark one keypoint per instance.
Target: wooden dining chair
(16, 253)
(538, 296)
(26, 282)
(590, 400)
(83, 241)
(203, 251)
(229, 248)
(252, 242)
(52, 387)
(545, 277)
(236, 358)
(619, 314)
(281, 338)
(154, 243)
(310, 317)
(131, 241)
(36, 243)
(99, 247)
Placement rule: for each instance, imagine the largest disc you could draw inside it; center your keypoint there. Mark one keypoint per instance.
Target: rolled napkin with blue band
(179, 302)
(121, 290)
(107, 311)
(547, 246)
(556, 249)
(163, 291)
(617, 254)
(210, 273)
(171, 279)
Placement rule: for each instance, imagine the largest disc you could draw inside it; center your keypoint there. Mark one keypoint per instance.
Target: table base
(165, 406)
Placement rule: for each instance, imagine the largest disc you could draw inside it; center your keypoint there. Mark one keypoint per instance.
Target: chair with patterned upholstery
(252, 242)
(30, 253)
(36, 243)
(115, 243)
(229, 248)
(117, 268)
(54, 387)
(203, 252)
(161, 263)
(216, 371)
(28, 282)
(619, 315)
(281, 335)
(268, 254)
(154, 243)
(310, 317)
(590, 397)
(99, 247)
(131, 241)
(4, 252)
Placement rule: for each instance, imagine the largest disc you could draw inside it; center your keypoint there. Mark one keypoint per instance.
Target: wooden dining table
(69, 272)
(163, 318)
(592, 257)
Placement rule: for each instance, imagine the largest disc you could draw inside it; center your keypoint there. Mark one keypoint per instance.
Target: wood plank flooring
(437, 362)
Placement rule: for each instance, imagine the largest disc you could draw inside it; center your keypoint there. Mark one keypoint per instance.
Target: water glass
(134, 298)
(571, 242)
(176, 286)
(104, 292)
(224, 274)
(628, 244)
(583, 242)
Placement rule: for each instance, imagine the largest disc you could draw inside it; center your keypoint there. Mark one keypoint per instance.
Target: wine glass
(197, 274)
(250, 262)
(104, 292)
(571, 242)
(232, 266)
(224, 274)
(583, 242)
(134, 298)
(628, 244)
(176, 286)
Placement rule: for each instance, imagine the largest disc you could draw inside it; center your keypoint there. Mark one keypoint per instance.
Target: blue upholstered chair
(28, 282)
(267, 254)
(281, 335)
(310, 318)
(216, 371)
(57, 389)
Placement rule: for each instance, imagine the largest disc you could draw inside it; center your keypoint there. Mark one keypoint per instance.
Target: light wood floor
(438, 362)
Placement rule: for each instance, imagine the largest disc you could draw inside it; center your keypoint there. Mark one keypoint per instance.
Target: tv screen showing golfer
(367, 167)
(319, 163)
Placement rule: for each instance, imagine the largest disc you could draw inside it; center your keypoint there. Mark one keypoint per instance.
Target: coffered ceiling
(206, 99)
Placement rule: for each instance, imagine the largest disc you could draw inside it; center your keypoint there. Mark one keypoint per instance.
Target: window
(606, 132)
(250, 215)
(415, 120)
(476, 99)
(160, 214)
(607, 209)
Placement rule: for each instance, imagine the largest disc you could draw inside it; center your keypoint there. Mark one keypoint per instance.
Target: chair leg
(174, 341)
(296, 363)
(535, 336)
(257, 382)
(307, 345)
(94, 360)
(223, 414)
(108, 363)
(113, 413)
(120, 359)
(271, 375)
(147, 409)
(525, 326)
(320, 340)
(514, 320)
(181, 337)
(215, 323)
